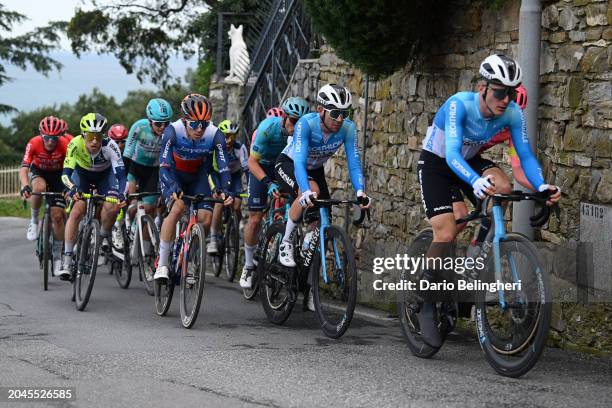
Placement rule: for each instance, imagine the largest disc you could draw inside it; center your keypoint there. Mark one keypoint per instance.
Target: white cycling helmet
(498, 68)
(333, 96)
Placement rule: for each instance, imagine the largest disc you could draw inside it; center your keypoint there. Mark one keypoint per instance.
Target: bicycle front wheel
(512, 335)
(334, 287)
(46, 250)
(192, 277)
(123, 271)
(146, 262)
(231, 246)
(87, 264)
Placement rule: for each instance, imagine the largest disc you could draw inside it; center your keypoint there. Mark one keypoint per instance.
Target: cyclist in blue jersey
(141, 155)
(236, 160)
(185, 163)
(299, 168)
(270, 140)
(464, 123)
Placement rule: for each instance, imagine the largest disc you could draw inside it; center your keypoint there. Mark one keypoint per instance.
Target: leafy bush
(377, 36)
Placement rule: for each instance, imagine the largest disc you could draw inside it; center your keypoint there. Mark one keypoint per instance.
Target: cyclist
(464, 123)
(185, 163)
(42, 171)
(92, 161)
(269, 142)
(299, 168)
(236, 160)
(119, 134)
(459, 208)
(272, 112)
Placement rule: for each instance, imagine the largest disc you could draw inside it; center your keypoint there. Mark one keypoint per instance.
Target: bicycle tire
(271, 283)
(231, 247)
(192, 280)
(146, 265)
(216, 260)
(249, 294)
(335, 301)
(508, 362)
(46, 251)
(87, 263)
(407, 301)
(123, 273)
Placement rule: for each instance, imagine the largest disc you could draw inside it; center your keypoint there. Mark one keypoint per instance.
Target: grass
(13, 207)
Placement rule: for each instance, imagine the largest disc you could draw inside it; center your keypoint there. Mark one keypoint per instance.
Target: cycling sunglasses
(90, 136)
(195, 124)
(160, 124)
(336, 113)
(501, 93)
(48, 138)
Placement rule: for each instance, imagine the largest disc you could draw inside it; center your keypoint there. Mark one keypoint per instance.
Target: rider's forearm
(23, 176)
(519, 175)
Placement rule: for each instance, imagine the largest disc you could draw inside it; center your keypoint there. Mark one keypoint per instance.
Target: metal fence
(9, 182)
(286, 39)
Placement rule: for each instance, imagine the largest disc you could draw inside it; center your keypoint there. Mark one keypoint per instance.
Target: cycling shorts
(190, 184)
(440, 186)
(258, 191)
(285, 175)
(104, 181)
(147, 179)
(54, 184)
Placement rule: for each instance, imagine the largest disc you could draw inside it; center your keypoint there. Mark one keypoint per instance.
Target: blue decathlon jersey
(142, 145)
(459, 131)
(310, 149)
(180, 153)
(269, 141)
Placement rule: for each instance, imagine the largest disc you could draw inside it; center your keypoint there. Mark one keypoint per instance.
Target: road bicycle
(131, 249)
(44, 242)
(187, 266)
(87, 248)
(324, 261)
(512, 325)
(228, 248)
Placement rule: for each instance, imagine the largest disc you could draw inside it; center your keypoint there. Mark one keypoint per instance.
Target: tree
(143, 37)
(30, 49)
(377, 36)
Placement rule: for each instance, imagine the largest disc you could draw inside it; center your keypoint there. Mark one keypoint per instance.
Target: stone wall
(575, 113)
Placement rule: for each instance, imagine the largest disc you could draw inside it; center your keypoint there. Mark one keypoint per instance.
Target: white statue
(239, 56)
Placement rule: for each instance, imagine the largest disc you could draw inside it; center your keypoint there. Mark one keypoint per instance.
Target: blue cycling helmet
(159, 110)
(296, 107)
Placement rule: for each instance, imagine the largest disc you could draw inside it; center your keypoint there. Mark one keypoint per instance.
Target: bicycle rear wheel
(46, 249)
(275, 280)
(146, 262)
(409, 302)
(123, 268)
(192, 279)
(513, 337)
(334, 297)
(87, 264)
(231, 246)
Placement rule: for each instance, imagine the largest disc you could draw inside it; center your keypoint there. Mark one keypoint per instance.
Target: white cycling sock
(35, 214)
(164, 252)
(249, 251)
(57, 249)
(68, 246)
(289, 230)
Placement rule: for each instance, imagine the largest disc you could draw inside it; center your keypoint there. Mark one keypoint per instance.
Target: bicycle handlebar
(536, 220)
(138, 196)
(331, 202)
(201, 198)
(49, 194)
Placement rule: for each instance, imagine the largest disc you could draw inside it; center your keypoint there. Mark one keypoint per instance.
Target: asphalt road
(118, 353)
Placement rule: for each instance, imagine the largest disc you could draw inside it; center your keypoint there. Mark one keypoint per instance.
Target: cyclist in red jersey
(41, 171)
(64, 131)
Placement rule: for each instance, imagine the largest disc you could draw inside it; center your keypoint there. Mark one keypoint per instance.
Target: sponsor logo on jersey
(452, 119)
(460, 168)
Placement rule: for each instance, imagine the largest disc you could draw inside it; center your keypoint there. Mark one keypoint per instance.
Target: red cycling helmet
(64, 126)
(521, 97)
(118, 132)
(50, 126)
(276, 112)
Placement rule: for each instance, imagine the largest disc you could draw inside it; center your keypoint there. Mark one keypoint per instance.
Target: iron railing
(286, 39)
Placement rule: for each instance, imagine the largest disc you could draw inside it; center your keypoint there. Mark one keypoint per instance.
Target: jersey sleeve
(220, 152)
(28, 155)
(117, 163)
(244, 157)
(258, 147)
(70, 162)
(453, 139)
(130, 145)
(520, 141)
(353, 159)
(301, 140)
(166, 160)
